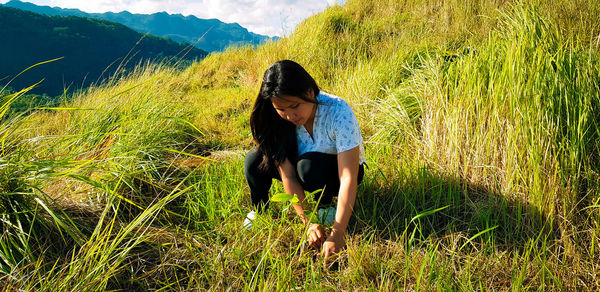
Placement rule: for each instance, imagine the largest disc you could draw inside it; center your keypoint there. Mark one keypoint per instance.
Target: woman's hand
(348, 171)
(334, 243)
(316, 235)
(305, 220)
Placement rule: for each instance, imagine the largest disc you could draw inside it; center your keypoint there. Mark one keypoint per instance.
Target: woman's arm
(348, 172)
(292, 186)
(316, 233)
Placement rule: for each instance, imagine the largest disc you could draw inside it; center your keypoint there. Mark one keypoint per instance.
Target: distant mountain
(92, 49)
(207, 34)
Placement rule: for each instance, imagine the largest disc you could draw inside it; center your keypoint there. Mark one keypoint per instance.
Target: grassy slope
(483, 172)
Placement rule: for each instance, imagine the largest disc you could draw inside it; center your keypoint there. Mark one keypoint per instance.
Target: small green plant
(293, 199)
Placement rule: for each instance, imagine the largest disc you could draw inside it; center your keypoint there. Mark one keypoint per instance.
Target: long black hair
(276, 137)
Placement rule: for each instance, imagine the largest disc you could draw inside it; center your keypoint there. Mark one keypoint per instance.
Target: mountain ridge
(92, 49)
(207, 34)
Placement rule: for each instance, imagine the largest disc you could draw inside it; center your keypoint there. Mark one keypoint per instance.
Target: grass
(482, 162)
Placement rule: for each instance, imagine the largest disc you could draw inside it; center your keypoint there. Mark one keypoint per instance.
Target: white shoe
(249, 221)
(326, 215)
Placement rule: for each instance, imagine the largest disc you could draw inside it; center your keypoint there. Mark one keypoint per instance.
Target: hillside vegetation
(481, 121)
(90, 50)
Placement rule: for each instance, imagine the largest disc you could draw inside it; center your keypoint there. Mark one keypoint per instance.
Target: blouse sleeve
(346, 129)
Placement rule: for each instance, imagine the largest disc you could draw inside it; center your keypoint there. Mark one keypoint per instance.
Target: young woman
(309, 140)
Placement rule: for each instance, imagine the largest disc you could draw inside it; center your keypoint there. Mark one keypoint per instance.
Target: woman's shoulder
(335, 110)
(332, 101)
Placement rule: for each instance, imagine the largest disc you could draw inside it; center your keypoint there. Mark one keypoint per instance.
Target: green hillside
(481, 121)
(91, 50)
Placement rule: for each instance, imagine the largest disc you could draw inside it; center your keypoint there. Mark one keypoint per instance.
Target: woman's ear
(310, 94)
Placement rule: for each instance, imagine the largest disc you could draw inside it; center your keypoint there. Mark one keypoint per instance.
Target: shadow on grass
(428, 205)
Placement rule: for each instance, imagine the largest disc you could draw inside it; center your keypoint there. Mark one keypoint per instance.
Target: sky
(267, 17)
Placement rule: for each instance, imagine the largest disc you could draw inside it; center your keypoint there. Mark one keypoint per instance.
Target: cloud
(270, 17)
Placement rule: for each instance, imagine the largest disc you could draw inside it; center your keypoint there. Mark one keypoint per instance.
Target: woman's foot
(249, 220)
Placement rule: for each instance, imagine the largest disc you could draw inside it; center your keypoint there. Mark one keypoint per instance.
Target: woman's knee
(252, 161)
(253, 169)
(316, 169)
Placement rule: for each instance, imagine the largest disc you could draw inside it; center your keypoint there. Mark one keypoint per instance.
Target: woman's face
(294, 109)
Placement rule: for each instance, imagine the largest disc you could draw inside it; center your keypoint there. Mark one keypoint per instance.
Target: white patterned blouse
(335, 128)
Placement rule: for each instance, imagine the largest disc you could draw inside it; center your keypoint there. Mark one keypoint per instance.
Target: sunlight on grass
(482, 143)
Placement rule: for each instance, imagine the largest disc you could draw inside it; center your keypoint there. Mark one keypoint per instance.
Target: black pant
(314, 170)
